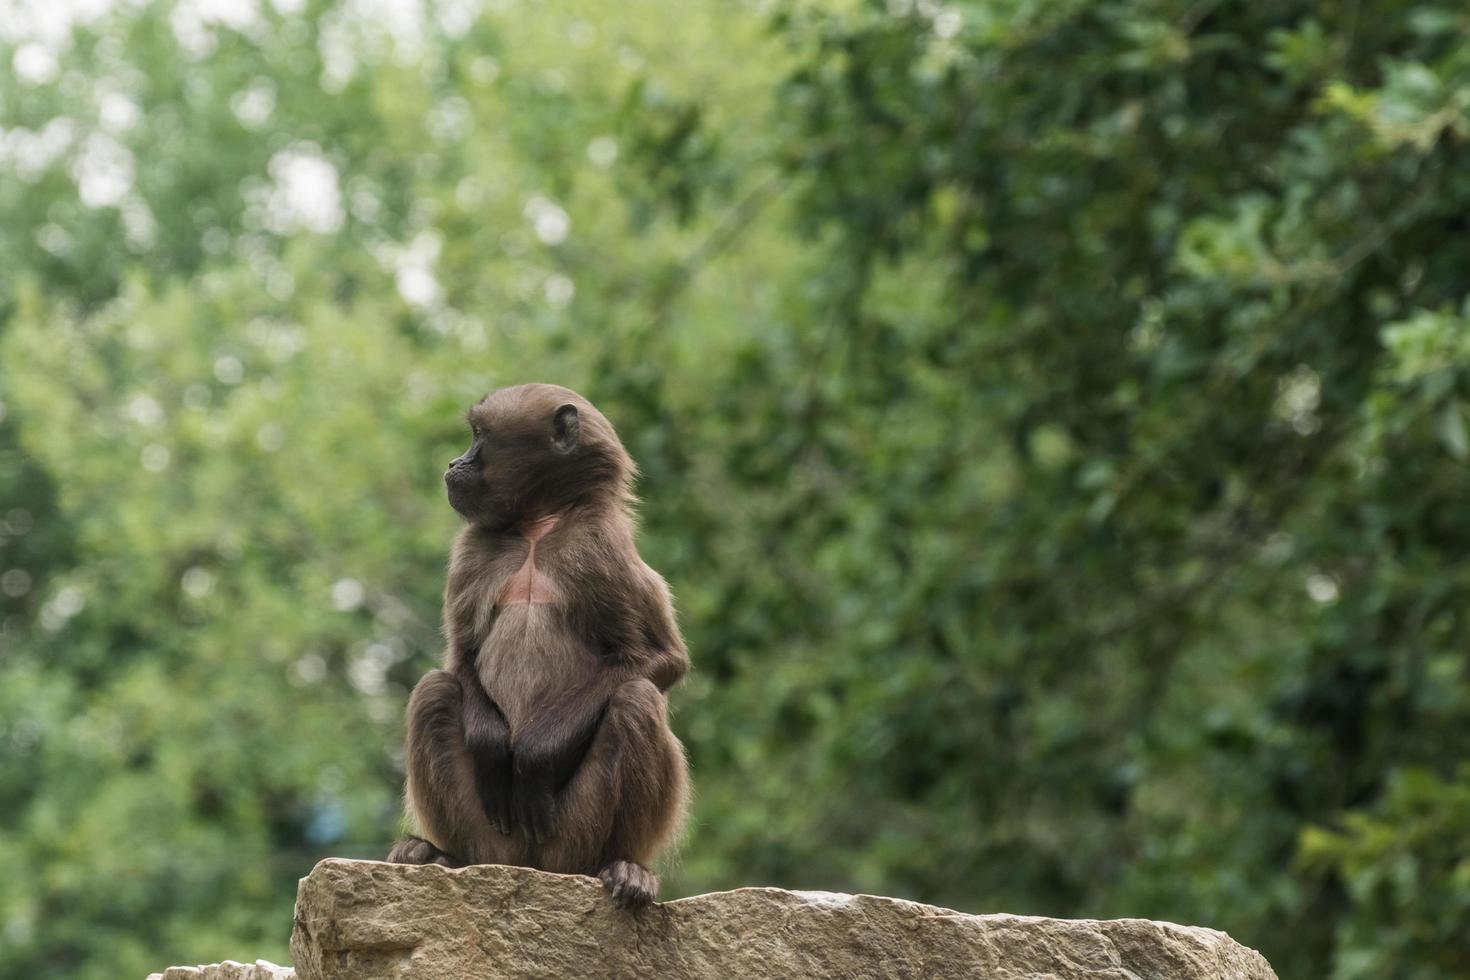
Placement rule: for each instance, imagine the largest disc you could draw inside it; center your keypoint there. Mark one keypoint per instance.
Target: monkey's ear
(566, 428)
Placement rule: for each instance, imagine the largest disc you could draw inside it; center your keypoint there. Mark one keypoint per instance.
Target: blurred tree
(258, 262)
(1054, 420)
(1128, 493)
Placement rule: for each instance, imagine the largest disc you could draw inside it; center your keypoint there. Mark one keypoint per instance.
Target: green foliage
(1402, 861)
(1054, 421)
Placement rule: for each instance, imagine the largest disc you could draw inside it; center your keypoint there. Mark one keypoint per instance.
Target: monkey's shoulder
(651, 578)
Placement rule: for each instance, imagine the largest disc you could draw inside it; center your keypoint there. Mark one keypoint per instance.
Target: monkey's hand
(545, 757)
(487, 736)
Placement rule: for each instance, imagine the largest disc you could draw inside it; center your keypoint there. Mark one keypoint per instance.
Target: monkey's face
(533, 450)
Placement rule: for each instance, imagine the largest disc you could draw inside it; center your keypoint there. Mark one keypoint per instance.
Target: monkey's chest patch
(530, 584)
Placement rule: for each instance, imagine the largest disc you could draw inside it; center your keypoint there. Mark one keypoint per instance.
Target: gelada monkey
(544, 740)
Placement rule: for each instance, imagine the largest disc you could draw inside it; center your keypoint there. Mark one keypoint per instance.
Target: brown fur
(544, 740)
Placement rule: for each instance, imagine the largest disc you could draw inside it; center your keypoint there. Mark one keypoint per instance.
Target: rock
(365, 920)
(228, 970)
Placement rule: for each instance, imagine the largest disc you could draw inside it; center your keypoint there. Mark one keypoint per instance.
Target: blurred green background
(1054, 421)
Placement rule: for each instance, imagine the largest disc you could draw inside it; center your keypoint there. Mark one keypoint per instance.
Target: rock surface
(228, 970)
(364, 920)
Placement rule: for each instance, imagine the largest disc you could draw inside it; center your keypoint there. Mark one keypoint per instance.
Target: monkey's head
(535, 449)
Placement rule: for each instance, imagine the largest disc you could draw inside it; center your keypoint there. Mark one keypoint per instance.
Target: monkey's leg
(442, 800)
(625, 801)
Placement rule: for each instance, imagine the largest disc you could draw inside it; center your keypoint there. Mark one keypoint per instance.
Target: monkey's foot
(416, 850)
(632, 885)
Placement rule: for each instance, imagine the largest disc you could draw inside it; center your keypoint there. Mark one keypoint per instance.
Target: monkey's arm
(638, 629)
(487, 736)
(668, 658)
(549, 751)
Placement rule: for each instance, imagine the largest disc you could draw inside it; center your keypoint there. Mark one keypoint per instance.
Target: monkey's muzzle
(464, 485)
